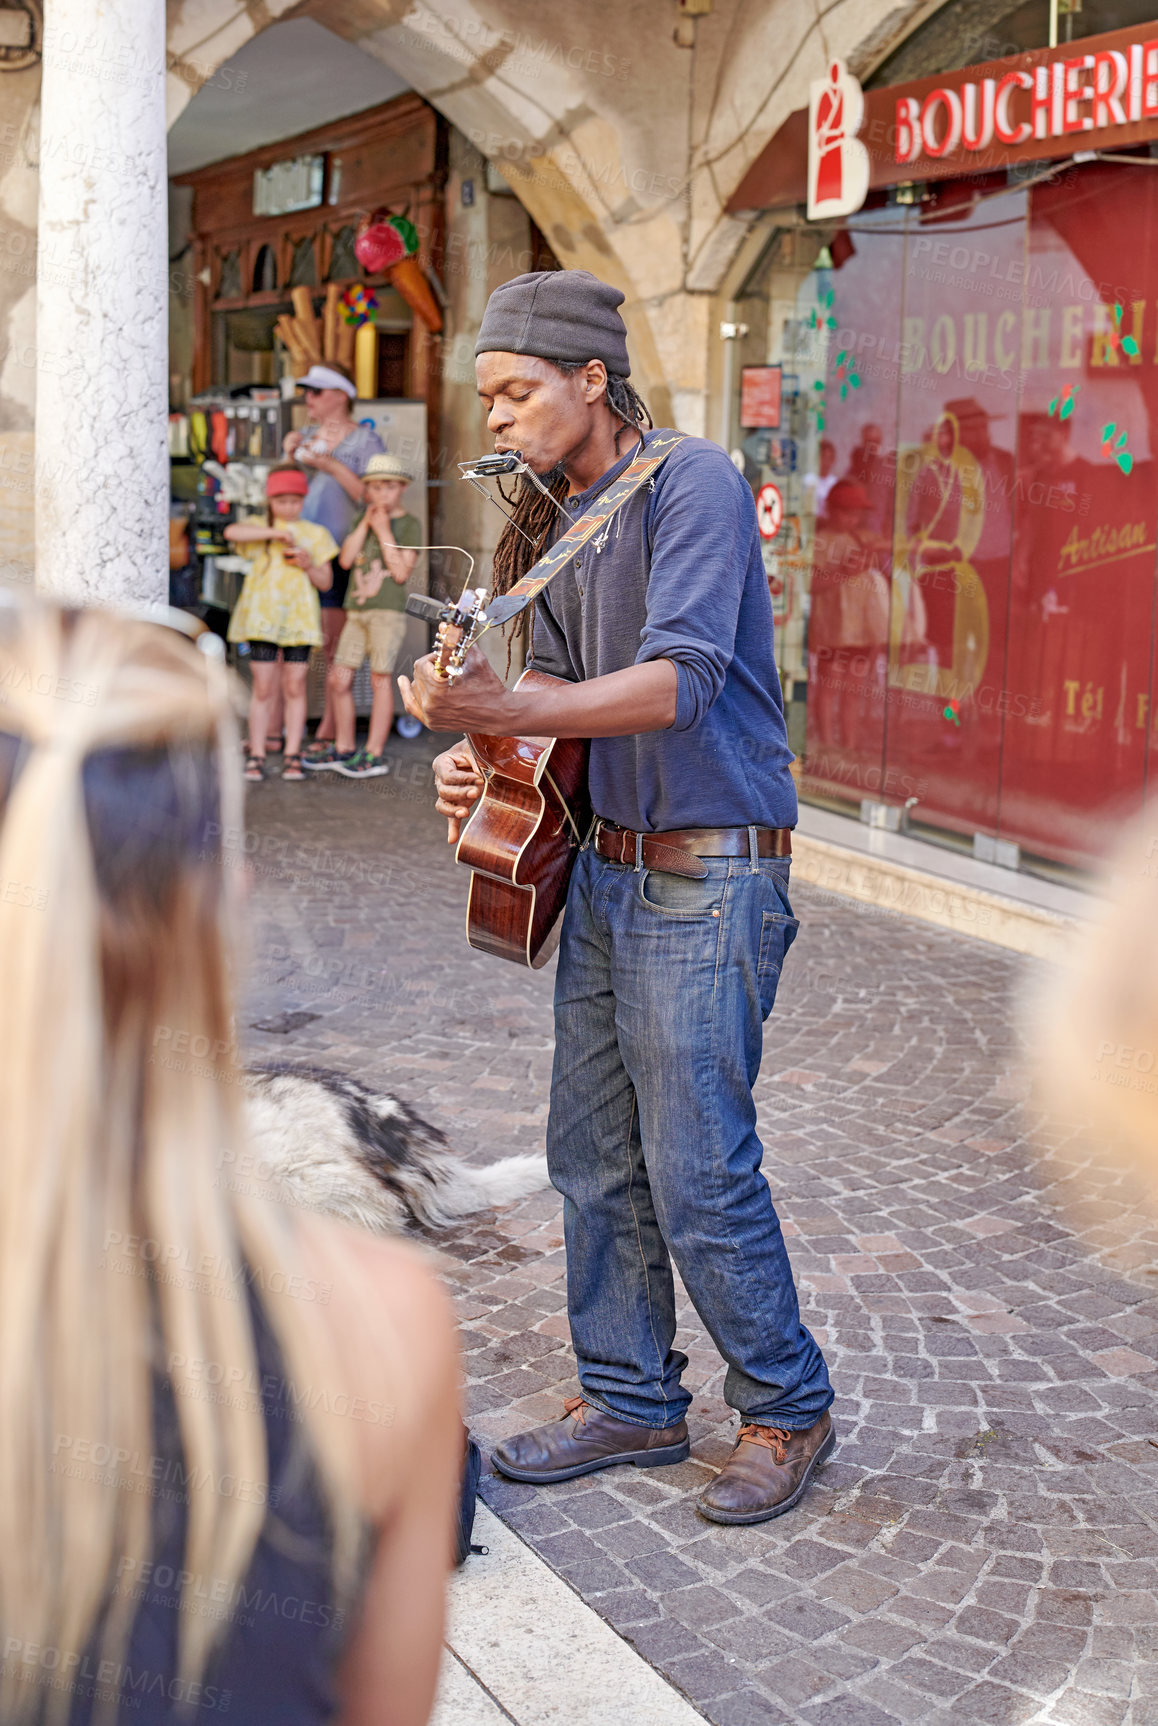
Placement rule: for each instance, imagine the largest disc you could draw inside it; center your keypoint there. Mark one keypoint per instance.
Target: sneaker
(328, 758)
(363, 765)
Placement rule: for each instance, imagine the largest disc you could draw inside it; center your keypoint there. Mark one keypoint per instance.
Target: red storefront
(967, 446)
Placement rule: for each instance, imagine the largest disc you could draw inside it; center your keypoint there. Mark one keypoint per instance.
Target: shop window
(959, 36)
(304, 266)
(229, 280)
(265, 271)
(344, 266)
(959, 503)
(783, 311)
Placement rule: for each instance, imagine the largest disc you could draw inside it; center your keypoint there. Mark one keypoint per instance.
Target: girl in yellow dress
(278, 611)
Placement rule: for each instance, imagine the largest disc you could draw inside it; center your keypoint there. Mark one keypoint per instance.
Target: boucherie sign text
(1086, 95)
(1096, 94)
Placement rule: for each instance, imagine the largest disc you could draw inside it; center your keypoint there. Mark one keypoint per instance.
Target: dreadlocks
(532, 512)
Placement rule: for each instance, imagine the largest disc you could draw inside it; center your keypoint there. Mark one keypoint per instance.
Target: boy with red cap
(278, 611)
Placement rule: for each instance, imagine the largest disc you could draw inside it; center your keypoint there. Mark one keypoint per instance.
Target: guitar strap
(646, 464)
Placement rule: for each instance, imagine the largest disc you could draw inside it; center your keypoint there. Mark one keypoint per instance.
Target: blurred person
(134, 1276)
(874, 467)
(865, 462)
(375, 617)
(1090, 1019)
(991, 553)
(848, 615)
(335, 447)
(277, 612)
(1056, 488)
(822, 482)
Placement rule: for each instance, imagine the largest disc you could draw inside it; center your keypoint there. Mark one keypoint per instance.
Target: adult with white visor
(335, 449)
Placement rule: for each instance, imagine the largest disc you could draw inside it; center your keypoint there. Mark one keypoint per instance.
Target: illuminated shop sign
(1086, 98)
(1097, 94)
(838, 164)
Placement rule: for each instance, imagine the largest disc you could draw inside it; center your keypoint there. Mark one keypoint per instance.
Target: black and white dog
(328, 1143)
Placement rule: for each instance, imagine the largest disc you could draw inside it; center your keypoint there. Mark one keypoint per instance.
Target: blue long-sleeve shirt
(681, 578)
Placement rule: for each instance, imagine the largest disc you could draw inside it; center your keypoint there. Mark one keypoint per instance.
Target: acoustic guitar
(523, 835)
(522, 839)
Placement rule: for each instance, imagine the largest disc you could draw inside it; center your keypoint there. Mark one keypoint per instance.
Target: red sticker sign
(769, 510)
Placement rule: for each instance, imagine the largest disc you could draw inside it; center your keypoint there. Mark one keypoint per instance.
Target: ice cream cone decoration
(385, 245)
(389, 244)
(380, 242)
(409, 278)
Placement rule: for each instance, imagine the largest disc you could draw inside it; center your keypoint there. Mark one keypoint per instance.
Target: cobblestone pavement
(983, 1546)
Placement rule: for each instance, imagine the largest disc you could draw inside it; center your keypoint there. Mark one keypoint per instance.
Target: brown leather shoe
(584, 1439)
(768, 1472)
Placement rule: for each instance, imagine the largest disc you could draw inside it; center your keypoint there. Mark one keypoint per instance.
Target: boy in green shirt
(380, 565)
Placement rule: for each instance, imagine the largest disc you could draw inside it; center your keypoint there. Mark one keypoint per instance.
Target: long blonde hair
(122, 1249)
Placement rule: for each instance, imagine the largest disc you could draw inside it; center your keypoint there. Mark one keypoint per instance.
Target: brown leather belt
(678, 852)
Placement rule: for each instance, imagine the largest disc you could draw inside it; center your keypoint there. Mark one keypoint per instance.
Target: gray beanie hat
(557, 315)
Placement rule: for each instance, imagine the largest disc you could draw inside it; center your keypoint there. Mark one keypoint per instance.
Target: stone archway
(623, 147)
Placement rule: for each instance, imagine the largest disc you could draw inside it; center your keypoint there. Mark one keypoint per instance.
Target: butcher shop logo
(838, 163)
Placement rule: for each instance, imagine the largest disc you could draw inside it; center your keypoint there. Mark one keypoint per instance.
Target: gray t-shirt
(332, 507)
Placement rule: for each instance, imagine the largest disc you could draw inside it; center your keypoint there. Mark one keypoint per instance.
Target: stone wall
(19, 355)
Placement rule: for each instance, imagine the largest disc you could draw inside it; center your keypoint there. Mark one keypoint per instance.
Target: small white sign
(295, 184)
(769, 510)
(838, 163)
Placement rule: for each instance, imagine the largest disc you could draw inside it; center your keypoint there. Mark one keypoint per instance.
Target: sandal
(274, 745)
(255, 768)
(313, 751)
(292, 770)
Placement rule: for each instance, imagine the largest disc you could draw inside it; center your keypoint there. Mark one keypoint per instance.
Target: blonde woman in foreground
(1091, 1022)
(228, 1434)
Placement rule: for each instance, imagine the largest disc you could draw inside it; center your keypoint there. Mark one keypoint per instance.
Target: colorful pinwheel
(358, 304)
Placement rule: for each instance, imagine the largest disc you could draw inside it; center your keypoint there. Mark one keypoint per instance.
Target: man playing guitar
(677, 918)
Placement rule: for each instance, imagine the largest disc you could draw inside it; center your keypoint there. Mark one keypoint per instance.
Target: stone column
(102, 478)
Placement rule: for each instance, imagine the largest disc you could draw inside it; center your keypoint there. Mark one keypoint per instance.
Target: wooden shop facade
(272, 256)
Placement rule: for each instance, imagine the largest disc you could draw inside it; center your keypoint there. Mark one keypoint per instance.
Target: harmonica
(492, 466)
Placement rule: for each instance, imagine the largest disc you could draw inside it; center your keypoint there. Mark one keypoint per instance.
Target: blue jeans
(662, 989)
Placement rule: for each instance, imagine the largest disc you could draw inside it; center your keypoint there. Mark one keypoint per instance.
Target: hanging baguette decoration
(330, 322)
(308, 327)
(286, 330)
(344, 347)
(309, 341)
